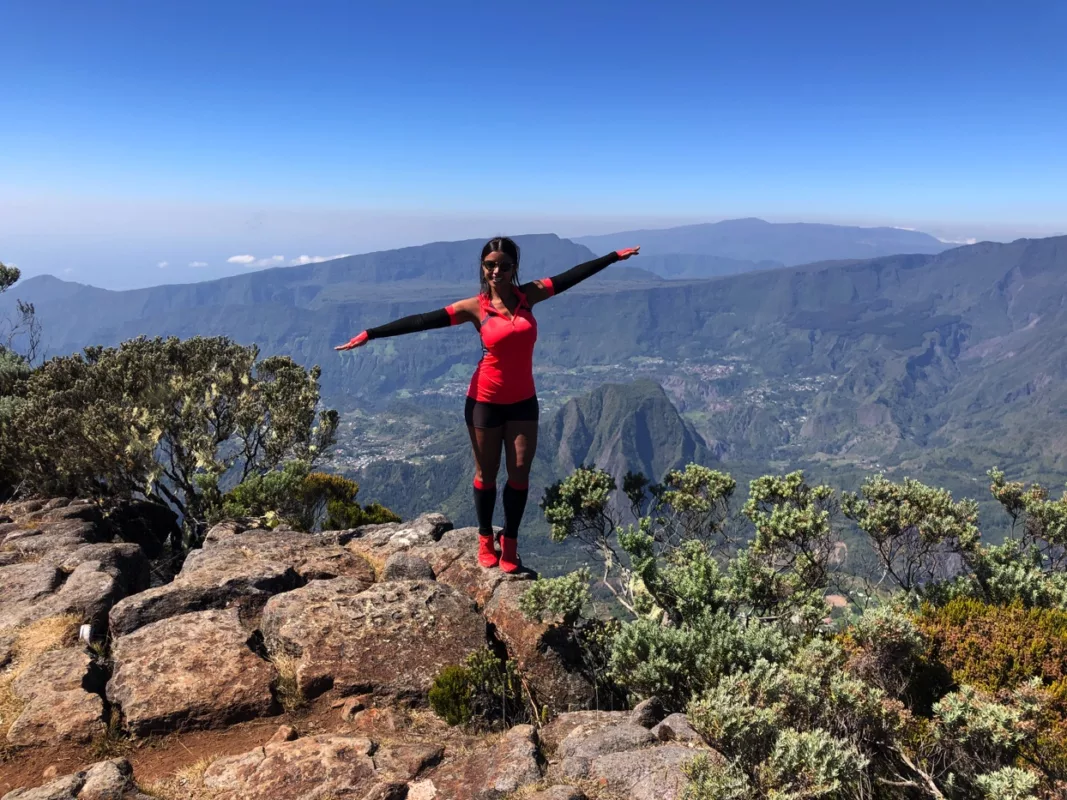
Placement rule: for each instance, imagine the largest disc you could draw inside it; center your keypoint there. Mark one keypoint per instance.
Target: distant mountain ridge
(790, 244)
(956, 358)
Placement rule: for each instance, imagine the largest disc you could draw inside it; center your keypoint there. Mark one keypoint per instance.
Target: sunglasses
(506, 266)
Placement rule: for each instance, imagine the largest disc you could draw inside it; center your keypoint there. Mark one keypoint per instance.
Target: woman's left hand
(629, 251)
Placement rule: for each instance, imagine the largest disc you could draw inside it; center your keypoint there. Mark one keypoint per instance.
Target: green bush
(302, 500)
(483, 691)
(450, 695)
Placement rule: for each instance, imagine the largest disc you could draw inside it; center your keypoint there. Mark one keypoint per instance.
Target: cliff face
(286, 665)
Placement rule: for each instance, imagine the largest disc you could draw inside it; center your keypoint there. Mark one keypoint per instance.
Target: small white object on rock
(422, 790)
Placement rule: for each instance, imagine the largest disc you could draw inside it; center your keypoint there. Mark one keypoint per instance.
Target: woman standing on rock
(501, 409)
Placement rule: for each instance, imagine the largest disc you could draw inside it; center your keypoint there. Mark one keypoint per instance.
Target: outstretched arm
(549, 287)
(455, 314)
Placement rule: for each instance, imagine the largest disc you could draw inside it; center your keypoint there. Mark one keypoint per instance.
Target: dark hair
(500, 244)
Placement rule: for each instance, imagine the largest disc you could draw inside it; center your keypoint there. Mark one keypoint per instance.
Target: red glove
(355, 341)
(629, 251)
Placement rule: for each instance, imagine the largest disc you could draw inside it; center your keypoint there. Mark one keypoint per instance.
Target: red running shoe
(487, 551)
(509, 558)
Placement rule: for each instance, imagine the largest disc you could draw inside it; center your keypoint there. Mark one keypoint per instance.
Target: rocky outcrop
(391, 638)
(58, 705)
(652, 774)
(255, 617)
(406, 567)
(494, 772)
(60, 558)
(195, 670)
(319, 766)
(617, 750)
(546, 657)
(242, 570)
(107, 780)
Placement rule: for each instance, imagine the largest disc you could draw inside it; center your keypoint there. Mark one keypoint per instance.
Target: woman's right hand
(355, 341)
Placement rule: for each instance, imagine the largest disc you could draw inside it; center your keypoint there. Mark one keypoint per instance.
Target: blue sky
(139, 133)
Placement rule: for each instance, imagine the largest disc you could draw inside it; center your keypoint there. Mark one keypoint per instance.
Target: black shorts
(493, 415)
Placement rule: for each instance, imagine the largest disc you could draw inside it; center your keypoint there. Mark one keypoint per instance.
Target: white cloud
(301, 260)
(273, 261)
(197, 263)
(163, 264)
(252, 261)
(68, 271)
(959, 241)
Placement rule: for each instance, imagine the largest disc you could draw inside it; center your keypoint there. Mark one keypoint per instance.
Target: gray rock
(57, 708)
(676, 728)
(392, 638)
(7, 649)
(493, 773)
(582, 745)
(391, 537)
(110, 780)
(22, 587)
(652, 774)
(80, 579)
(241, 570)
(553, 734)
(107, 780)
(648, 712)
(191, 671)
(403, 566)
(313, 767)
(65, 788)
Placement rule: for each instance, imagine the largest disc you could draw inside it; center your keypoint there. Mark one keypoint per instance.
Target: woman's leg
(486, 443)
(520, 445)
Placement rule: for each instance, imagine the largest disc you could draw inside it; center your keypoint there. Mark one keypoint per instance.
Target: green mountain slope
(954, 361)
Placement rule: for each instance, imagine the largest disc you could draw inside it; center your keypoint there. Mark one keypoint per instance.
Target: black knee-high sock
(484, 502)
(514, 506)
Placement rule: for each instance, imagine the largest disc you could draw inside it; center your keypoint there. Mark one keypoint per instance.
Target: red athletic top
(505, 372)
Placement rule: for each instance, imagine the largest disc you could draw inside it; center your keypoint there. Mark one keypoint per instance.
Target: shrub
(483, 691)
(450, 695)
(302, 500)
(557, 598)
(997, 647)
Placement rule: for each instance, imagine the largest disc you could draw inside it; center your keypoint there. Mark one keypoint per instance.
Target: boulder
(544, 654)
(107, 780)
(407, 762)
(305, 769)
(391, 638)
(241, 571)
(648, 712)
(195, 670)
(390, 537)
(403, 566)
(676, 728)
(495, 772)
(84, 580)
(60, 703)
(586, 743)
(22, 587)
(553, 734)
(652, 774)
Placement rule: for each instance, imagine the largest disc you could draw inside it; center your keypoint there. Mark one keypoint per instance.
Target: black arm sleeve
(412, 324)
(565, 280)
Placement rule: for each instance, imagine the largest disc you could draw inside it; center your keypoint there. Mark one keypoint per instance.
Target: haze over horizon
(147, 144)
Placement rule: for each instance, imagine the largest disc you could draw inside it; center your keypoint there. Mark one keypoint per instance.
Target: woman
(501, 408)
